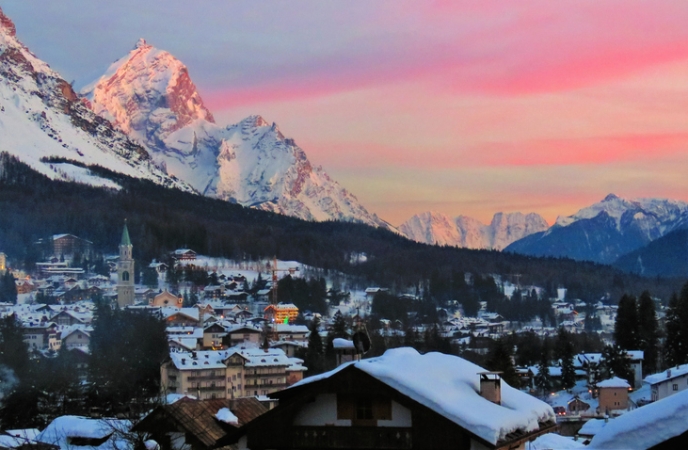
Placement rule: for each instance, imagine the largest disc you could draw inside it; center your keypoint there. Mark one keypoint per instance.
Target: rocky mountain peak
(610, 197)
(462, 231)
(6, 24)
(149, 94)
(141, 43)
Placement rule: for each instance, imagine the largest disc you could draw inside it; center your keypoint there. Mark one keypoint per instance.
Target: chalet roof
(647, 426)
(449, 385)
(60, 430)
(198, 417)
(668, 374)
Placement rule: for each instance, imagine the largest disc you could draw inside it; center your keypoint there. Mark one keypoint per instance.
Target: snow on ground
(70, 172)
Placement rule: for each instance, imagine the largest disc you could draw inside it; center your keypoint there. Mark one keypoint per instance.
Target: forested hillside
(162, 219)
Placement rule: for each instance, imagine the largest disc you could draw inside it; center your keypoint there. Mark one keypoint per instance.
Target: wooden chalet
(195, 422)
(353, 407)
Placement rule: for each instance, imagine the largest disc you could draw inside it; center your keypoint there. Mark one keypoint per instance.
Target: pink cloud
(543, 152)
(503, 48)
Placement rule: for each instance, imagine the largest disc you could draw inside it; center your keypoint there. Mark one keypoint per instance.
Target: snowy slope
(606, 230)
(42, 118)
(466, 232)
(150, 95)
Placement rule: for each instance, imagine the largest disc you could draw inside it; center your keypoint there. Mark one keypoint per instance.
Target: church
(125, 271)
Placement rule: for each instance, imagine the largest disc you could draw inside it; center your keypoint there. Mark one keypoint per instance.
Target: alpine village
(250, 302)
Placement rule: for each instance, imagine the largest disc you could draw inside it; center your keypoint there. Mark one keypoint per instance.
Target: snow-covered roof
(289, 328)
(61, 430)
(668, 374)
(592, 427)
(17, 438)
(551, 441)
(450, 386)
(635, 354)
(647, 426)
(342, 343)
(227, 416)
(614, 382)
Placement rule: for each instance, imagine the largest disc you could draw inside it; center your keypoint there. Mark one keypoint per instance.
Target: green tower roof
(125, 235)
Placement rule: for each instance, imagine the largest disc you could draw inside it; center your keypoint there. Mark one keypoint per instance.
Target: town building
(3, 261)
(613, 395)
(277, 313)
(232, 373)
(667, 383)
(400, 400)
(662, 425)
(198, 424)
(166, 298)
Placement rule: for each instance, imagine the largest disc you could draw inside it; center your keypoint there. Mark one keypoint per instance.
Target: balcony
(217, 387)
(206, 377)
(348, 437)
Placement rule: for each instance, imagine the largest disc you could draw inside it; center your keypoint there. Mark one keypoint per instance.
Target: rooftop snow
(667, 374)
(614, 382)
(449, 385)
(227, 416)
(647, 426)
(342, 343)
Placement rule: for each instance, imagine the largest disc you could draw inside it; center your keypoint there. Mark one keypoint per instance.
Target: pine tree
(615, 363)
(543, 380)
(676, 344)
(626, 324)
(647, 332)
(8, 288)
(314, 359)
(500, 360)
(672, 343)
(564, 353)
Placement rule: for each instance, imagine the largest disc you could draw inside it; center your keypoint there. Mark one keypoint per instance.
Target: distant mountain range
(466, 232)
(607, 230)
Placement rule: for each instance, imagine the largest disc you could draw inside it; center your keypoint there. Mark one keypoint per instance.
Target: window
(364, 409)
(675, 387)
(125, 276)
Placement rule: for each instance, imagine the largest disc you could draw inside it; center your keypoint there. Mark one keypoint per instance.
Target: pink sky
(456, 106)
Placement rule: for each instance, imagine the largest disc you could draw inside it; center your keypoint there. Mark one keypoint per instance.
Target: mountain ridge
(466, 232)
(42, 118)
(250, 163)
(606, 230)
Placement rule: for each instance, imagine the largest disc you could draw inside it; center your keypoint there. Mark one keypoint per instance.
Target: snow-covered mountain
(149, 94)
(608, 229)
(44, 123)
(462, 231)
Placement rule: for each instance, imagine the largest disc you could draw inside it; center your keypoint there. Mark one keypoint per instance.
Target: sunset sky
(462, 107)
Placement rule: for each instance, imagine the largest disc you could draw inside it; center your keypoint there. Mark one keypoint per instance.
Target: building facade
(233, 373)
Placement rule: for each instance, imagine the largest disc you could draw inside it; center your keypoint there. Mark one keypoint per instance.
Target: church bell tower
(125, 271)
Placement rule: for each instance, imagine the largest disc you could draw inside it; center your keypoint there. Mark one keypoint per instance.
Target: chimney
(668, 373)
(491, 386)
